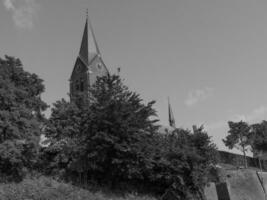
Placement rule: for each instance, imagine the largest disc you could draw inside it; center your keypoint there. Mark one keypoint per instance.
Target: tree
(63, 131)
(259, 135)
(182, 162)
(115, 140)
(107, 137)
(21, 117)
(258, 140)
(121, 125)
(239, 137)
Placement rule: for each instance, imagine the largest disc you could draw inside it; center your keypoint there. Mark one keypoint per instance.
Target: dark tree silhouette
(21, 118)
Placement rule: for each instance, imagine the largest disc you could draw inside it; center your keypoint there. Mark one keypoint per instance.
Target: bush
(182, 161)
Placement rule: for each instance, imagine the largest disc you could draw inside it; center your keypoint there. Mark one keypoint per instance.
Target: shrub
(182, 161)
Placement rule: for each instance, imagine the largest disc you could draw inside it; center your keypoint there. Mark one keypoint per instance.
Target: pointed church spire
(171, 117)
(88, 66)
(89, 47)
(83, 54)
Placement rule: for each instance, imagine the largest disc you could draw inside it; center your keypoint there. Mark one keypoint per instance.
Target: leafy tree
(119, 124)
(109, 136)
(258, 137)
(239, 137)
(115, 140)
(21, 118)
(184, 161)
(63, 131)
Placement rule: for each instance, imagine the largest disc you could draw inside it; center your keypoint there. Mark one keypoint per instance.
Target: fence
(237, 160)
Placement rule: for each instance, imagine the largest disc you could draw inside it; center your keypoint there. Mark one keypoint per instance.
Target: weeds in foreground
(44, 188)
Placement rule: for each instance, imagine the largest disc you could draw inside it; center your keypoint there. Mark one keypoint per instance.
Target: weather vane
(87, 13)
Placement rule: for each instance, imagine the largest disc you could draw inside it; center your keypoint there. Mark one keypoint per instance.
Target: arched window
(81, 85)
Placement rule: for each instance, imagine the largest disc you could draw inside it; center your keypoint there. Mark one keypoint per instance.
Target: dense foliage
(247, 137)
(104, 137)
(21, 118)
(114, 140)
(239, 137)
(258, 138)
(183, 161)
(111, 139)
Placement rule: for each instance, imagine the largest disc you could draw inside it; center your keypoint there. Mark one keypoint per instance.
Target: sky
(208, 56)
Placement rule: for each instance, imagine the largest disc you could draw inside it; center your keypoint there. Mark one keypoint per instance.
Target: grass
(45, 188)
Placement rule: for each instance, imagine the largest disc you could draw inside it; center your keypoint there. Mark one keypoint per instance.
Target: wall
(241, 184)
(237, 160)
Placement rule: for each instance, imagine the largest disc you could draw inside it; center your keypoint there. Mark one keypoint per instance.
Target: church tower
(88, 66)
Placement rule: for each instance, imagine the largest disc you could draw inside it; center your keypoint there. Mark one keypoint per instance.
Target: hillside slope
(45, 188)
(245, 184)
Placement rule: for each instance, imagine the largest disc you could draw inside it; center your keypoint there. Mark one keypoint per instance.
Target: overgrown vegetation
(113, 141)
(43, 188)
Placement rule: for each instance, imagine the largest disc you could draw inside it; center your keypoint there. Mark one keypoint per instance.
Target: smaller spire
(171, 117)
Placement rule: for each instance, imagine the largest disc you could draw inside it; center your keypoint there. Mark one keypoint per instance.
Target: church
(89, 65)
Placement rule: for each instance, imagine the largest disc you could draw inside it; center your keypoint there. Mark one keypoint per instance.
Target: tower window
(79, 68)
(99, 66)
(77, 85)
(81, 86)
